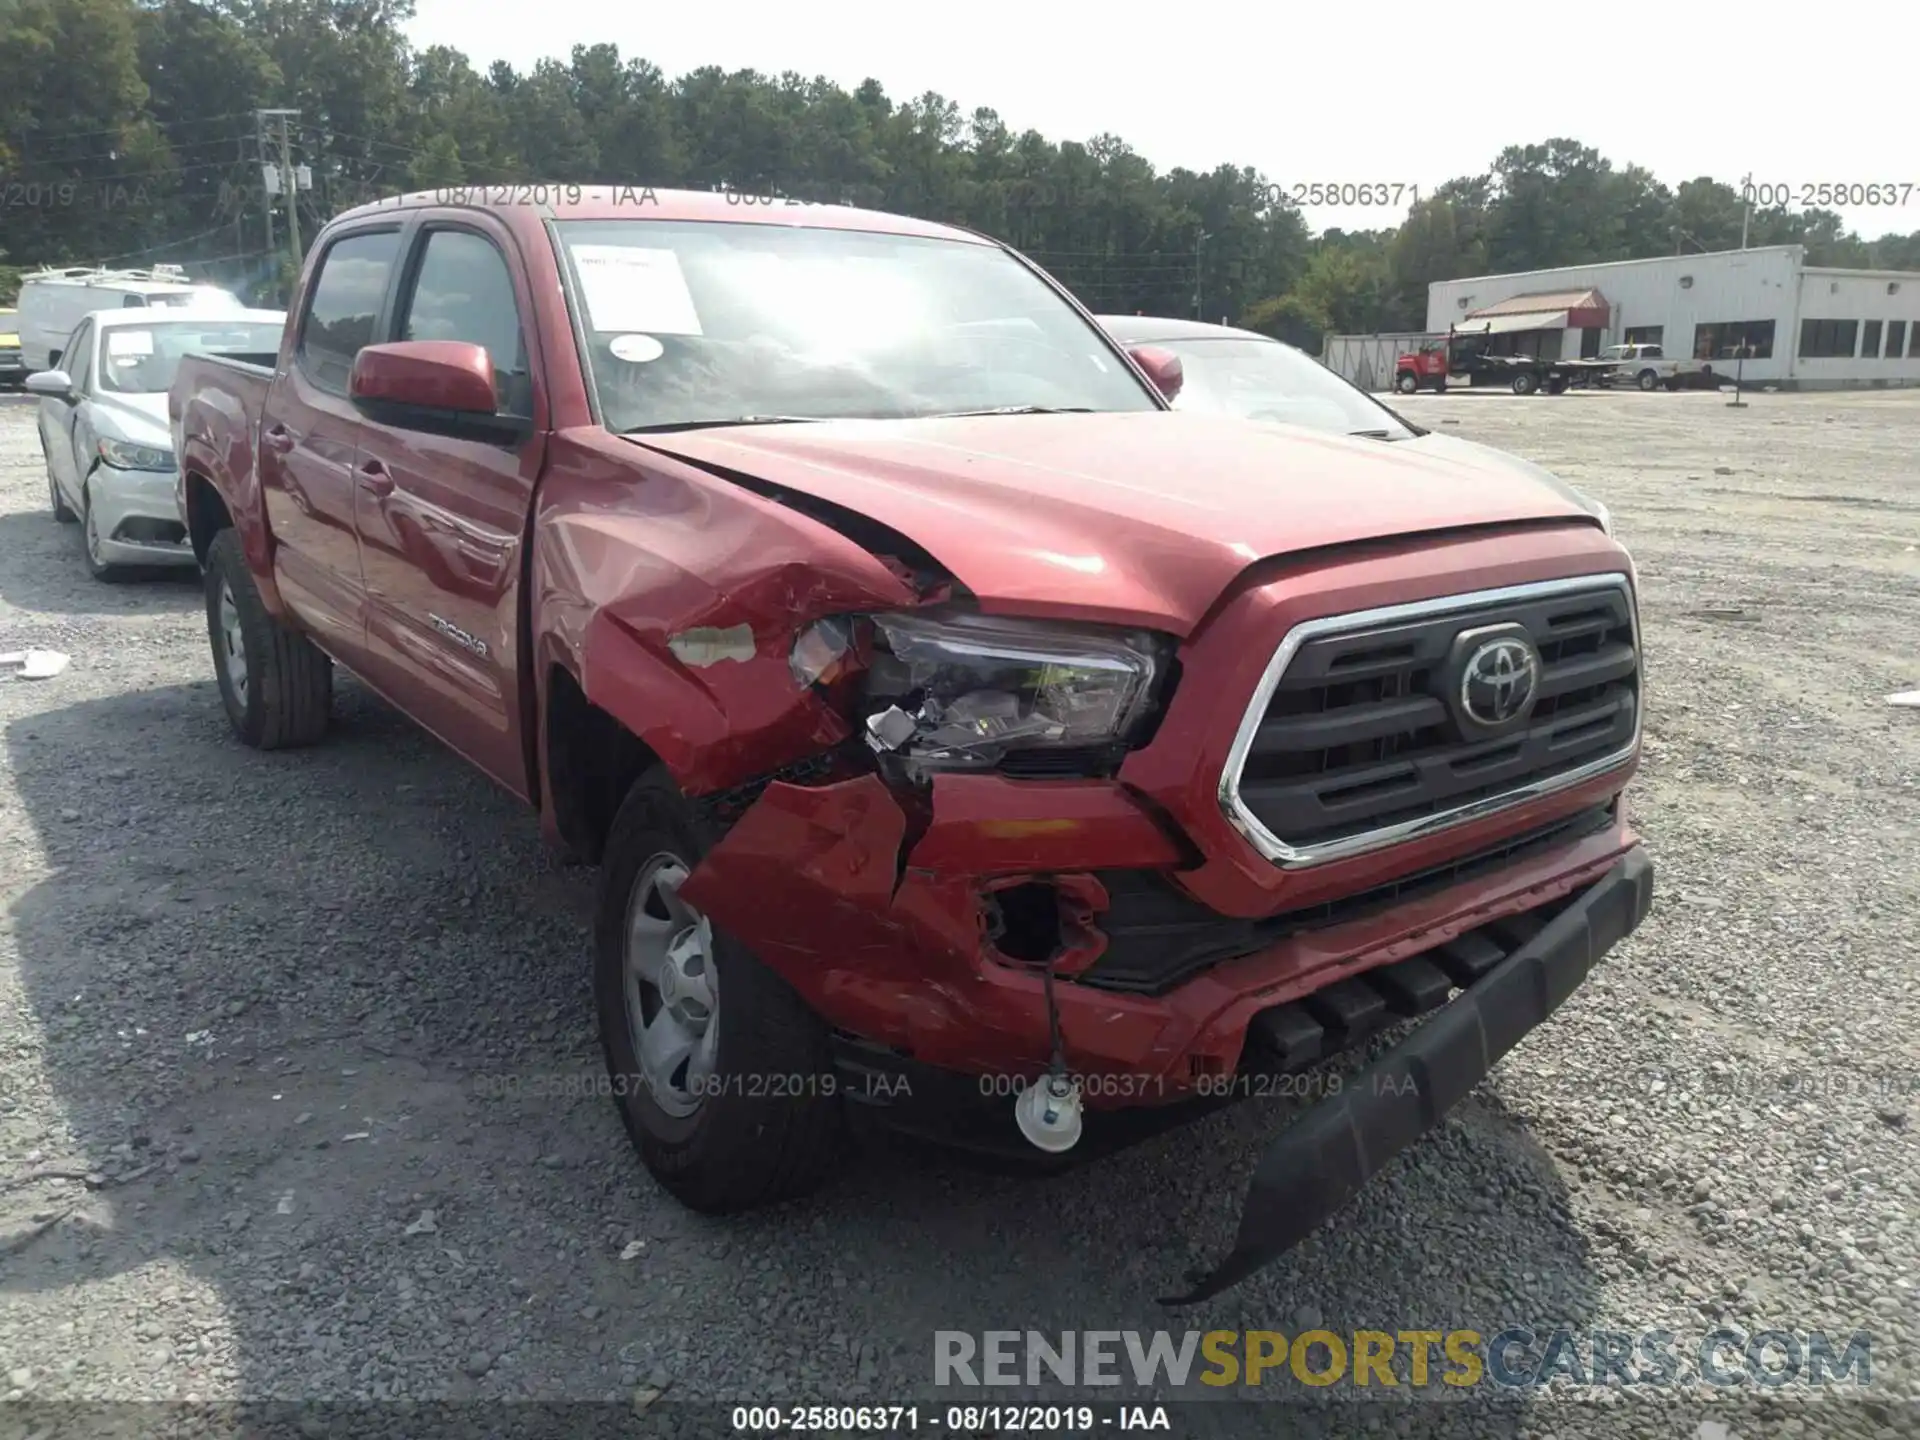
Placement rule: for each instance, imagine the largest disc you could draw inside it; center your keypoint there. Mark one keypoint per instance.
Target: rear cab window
(344, 305)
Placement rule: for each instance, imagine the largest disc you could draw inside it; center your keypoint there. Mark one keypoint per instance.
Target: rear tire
(1525, 383)
(1649, 380)
(741, 1111)
(276, 683)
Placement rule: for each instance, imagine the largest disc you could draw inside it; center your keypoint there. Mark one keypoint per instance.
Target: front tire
(722, 1074)
(1649, 380)
(277, 684)
(62, 511)
(1407, 384)
(90, 544)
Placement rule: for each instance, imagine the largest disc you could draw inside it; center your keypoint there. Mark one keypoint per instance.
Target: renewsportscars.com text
(1518, 1357)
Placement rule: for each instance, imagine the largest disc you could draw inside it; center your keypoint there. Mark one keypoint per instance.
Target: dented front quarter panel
(674, 599)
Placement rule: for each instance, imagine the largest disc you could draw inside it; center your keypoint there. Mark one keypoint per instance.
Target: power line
(158, 124)
(154, 175)
(186, 147)
(167, 245)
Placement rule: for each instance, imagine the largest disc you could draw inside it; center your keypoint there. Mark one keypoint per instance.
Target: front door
(442, 519)
(60, 429)
(308, 436)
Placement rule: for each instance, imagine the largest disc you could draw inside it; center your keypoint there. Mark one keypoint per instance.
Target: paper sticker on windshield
(129, 342)
(638, 349)
(628, 288)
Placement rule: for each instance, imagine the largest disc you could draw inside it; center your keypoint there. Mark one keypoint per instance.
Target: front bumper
(1323, 1159)
(138, 512)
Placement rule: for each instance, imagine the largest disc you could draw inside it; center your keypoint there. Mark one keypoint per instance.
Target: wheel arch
(588, 762)
(206, 513)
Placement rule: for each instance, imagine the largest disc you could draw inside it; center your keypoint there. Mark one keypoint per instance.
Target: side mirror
(54, 384)
(449, 376)
(1163, 368)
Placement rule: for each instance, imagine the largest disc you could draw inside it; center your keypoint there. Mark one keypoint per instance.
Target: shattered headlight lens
(958, 691)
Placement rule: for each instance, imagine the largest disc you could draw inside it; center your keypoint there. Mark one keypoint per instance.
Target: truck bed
(213, 409)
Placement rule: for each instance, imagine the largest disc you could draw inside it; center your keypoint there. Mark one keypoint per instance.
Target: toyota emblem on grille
(1498, 681)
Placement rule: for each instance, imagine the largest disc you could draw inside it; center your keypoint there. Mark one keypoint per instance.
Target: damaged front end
(937, 852)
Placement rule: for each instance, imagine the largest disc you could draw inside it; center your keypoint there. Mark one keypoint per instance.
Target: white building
(1802, 326)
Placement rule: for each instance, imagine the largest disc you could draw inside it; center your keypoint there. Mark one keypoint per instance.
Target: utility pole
(1746, 207)
(267, 191)
(1200, 238)
(288, 181)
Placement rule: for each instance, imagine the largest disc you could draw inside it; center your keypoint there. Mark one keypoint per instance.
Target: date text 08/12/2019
(959, 1419)
(761, 1085)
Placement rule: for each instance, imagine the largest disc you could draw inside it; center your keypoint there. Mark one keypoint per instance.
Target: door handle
(279, 439)
(375, 477)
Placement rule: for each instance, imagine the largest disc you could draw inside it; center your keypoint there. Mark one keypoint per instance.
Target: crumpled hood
(1131, 518)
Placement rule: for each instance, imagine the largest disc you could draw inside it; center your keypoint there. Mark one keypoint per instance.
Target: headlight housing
(960, 691)
(123, 455)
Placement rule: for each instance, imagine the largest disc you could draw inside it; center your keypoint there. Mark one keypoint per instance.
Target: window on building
(1730, 339)
(1829, 339)
(1896, 339)
(1913, 341)
(1643, 335)
(1870, 341)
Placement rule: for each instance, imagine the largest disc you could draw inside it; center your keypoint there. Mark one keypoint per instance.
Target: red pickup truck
(965, 738)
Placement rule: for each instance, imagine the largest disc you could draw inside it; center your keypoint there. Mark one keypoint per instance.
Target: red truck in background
(965, 739)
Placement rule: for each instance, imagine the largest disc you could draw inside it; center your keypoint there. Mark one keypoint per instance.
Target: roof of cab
(646, 202)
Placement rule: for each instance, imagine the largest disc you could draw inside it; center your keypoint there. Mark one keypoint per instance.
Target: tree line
(128, 135)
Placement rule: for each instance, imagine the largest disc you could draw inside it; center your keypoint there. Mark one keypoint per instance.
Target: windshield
(1265, 380)
(141, 359)
(691, 322)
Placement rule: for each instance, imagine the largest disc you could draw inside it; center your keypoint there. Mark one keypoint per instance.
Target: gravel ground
(256, 1013)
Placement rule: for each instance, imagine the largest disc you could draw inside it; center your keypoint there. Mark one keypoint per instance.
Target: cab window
(463, 290)
(344, 305)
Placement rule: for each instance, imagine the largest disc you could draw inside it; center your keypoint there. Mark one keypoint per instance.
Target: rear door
(309, 431)
(442, 517)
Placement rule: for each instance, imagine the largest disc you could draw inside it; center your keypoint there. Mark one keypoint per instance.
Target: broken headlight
(959, 691)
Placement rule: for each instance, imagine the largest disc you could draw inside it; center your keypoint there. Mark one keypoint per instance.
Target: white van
(53, 302)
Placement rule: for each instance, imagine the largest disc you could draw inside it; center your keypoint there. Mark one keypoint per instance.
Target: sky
(1363, 92)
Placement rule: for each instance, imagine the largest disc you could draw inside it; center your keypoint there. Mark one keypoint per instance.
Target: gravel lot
(256, 1012)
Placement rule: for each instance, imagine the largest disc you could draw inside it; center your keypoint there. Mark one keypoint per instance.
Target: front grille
(1158, 937)
(1360, 737)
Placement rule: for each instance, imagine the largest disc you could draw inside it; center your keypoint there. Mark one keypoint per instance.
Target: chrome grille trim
(1300, 857)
